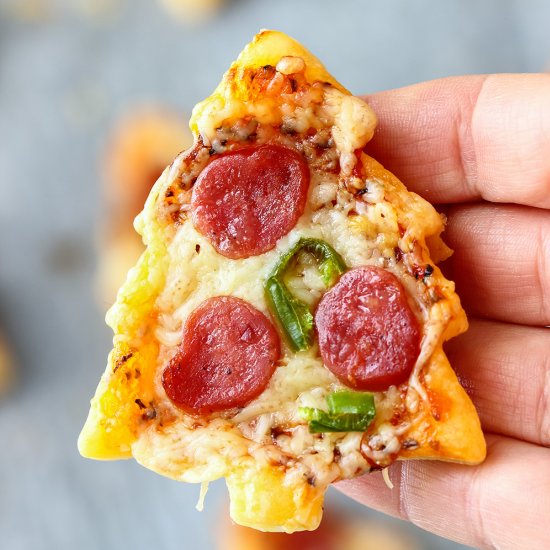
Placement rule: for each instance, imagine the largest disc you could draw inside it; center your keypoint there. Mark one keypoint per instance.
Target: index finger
(468, 138)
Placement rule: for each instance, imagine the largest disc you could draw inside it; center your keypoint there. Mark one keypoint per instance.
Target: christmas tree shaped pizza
(284, 327)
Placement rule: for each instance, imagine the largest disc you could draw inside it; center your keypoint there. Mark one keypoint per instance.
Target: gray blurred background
(68, 69)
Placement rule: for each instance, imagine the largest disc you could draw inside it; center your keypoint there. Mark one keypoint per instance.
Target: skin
(478, 147)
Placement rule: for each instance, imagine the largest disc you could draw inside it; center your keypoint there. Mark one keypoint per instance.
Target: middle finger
(501, 263)
(506, 371)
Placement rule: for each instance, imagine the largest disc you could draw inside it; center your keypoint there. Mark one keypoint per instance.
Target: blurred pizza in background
(339, 530)
(6, 368)
(191, 11)
(142, 143)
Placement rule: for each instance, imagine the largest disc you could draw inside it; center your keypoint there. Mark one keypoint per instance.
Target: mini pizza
(284, 327)
(142, 143)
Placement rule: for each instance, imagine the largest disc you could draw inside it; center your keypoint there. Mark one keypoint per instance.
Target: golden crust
(449, 429)
(115, 416)
(446, 426)
(298, 506)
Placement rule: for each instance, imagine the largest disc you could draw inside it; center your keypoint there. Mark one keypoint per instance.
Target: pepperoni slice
(368, 335)
(244, 201)
(227, 357)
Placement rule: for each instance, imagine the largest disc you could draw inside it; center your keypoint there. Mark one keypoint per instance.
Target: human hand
(479, 146)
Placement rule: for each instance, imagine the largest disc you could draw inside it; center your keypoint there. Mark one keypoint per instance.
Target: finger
(506, 371)
(501, 263)
(466, 138)
(502, 503)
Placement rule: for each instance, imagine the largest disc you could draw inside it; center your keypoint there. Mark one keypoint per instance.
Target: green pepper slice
(347, 412)
(294, 316)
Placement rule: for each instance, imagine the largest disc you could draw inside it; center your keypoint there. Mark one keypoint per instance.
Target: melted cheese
(197, 272)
